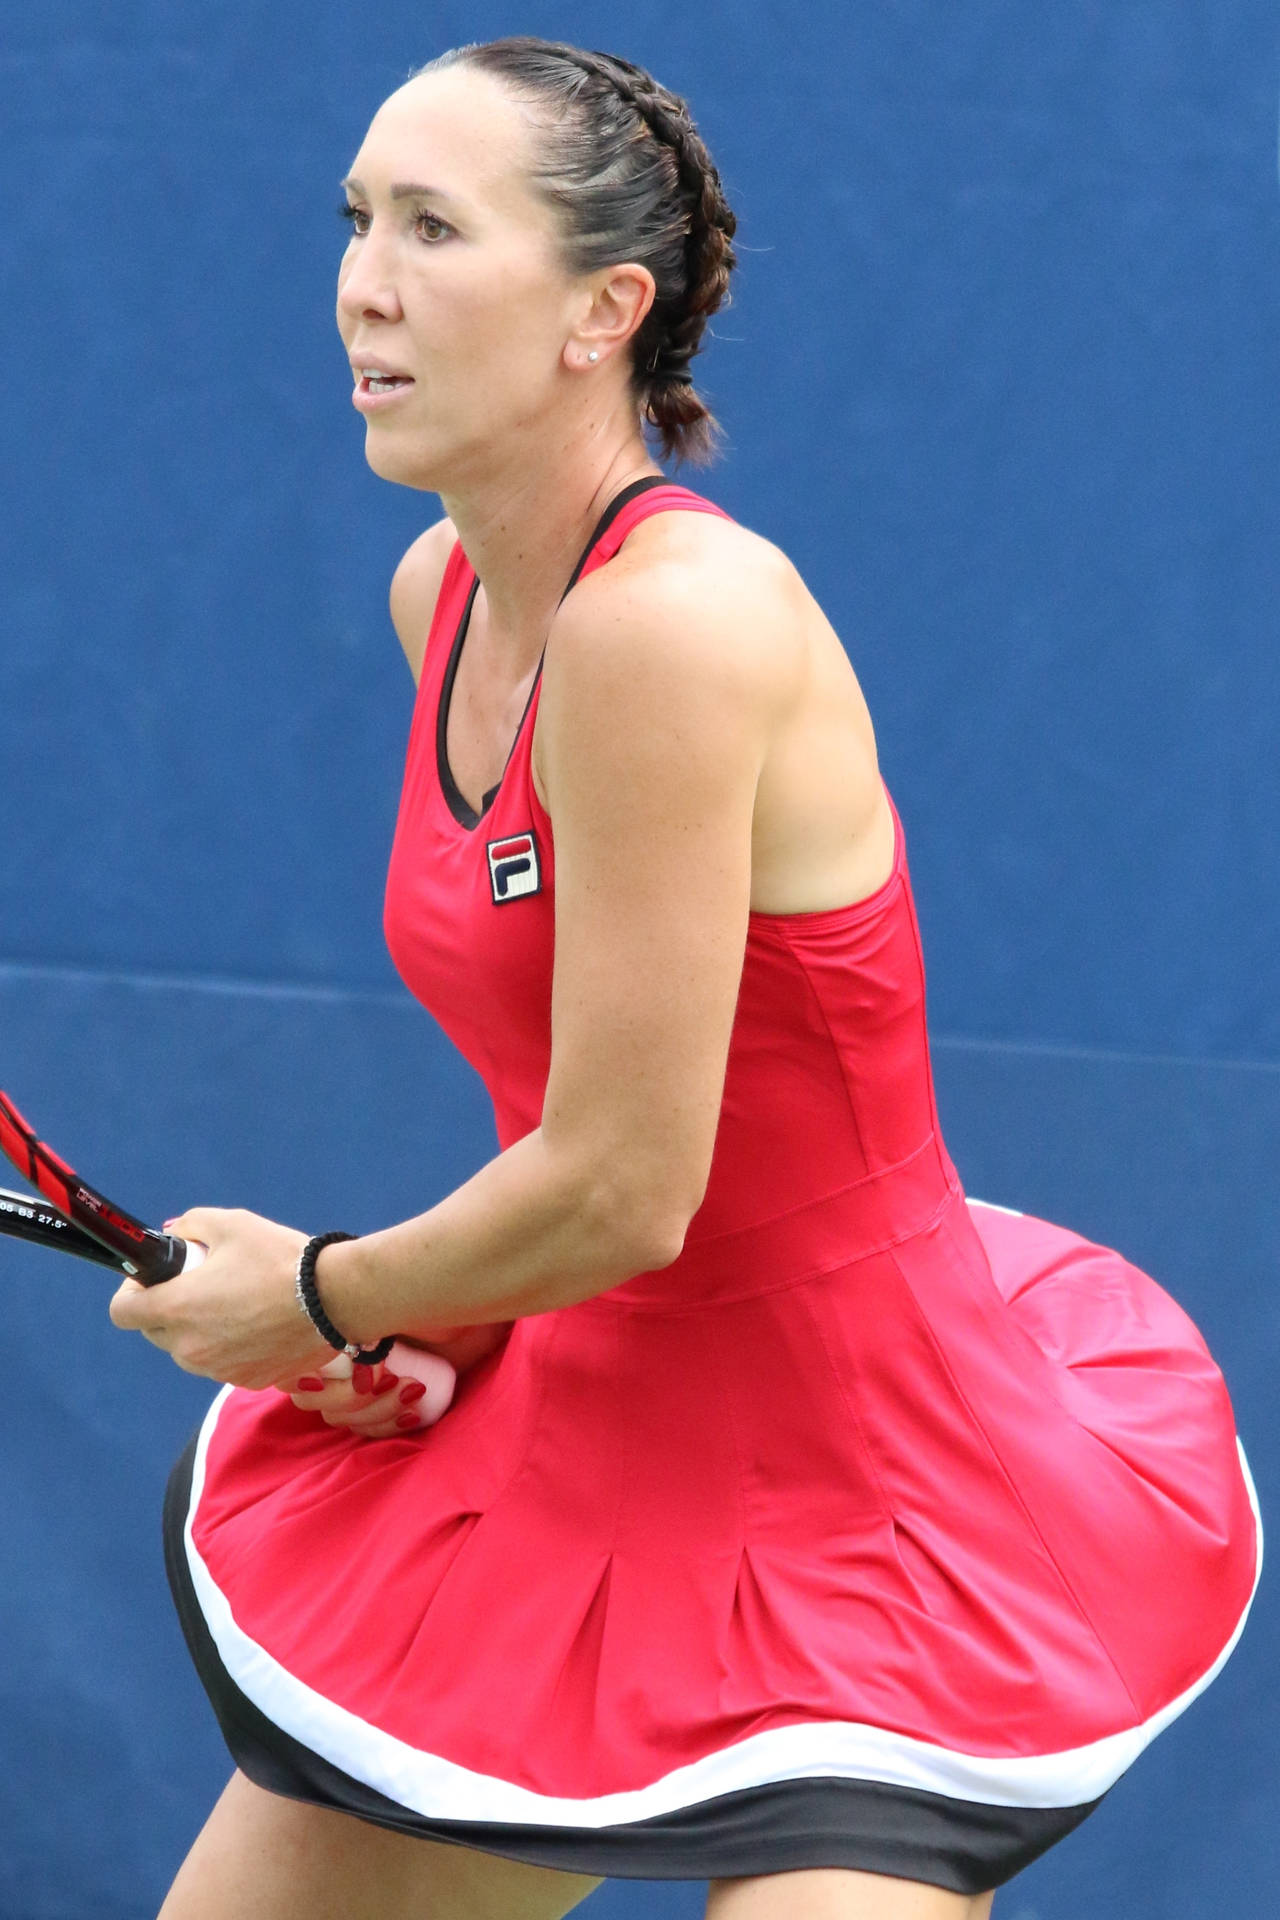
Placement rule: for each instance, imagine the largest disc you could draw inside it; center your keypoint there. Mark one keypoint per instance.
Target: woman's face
(451, 284)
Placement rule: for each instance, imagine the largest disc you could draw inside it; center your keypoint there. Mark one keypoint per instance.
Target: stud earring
(593, 356)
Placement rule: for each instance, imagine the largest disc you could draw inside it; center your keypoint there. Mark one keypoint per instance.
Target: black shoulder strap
(607, 518)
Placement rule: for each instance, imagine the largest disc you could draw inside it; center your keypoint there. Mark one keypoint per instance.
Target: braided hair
(627, 171)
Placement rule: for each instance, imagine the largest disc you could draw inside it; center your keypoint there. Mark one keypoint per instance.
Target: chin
(405, 465)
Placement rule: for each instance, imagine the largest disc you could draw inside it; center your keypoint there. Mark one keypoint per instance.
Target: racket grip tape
(164, 1257)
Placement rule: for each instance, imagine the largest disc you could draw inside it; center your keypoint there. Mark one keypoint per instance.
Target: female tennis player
(794, 1526)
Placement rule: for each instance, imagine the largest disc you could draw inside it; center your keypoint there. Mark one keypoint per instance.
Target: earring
(593, 356)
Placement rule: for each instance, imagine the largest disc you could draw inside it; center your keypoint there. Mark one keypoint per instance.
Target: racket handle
(165, 1257)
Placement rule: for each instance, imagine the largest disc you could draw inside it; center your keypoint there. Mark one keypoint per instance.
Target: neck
(523, 529)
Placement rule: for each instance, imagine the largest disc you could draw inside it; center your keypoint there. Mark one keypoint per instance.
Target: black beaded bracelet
(308, 1299)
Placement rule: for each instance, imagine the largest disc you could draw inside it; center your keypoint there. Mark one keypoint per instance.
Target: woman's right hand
(374, 1402)
(409, 1391)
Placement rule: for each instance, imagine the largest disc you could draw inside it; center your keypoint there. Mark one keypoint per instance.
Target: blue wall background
(1001, 375)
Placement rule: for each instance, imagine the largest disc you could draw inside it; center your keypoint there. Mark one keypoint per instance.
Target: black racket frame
(73, 1216)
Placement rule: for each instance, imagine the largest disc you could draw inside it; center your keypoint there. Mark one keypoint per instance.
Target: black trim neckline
(462, 810)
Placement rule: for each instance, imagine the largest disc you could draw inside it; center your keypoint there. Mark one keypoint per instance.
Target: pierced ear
(623, 297)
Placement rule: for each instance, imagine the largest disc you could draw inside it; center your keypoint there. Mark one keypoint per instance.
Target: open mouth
(372, 381)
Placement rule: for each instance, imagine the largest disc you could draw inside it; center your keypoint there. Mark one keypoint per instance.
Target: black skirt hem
(965, 1846)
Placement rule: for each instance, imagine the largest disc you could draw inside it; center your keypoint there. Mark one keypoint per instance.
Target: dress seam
(819, 1199)
(836, 1265)
(994, 1454)
(628, 1444)
(923, 1011)
(524, 1453)
(868, 1455)
(726, 1401)
(834, 1044)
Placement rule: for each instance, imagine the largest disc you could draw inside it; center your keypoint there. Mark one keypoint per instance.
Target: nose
(366, 282)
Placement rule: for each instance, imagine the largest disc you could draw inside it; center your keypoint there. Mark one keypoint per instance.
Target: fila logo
(513, 867)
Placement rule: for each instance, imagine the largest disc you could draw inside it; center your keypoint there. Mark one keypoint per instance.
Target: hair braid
(674, 327)
(632, 179)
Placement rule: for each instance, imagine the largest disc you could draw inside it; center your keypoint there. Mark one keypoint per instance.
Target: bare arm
(655, 714)
(654, 719)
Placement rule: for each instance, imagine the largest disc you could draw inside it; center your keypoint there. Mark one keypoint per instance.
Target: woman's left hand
(234, 1317)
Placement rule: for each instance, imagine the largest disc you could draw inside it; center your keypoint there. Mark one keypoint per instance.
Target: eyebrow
(402, 190)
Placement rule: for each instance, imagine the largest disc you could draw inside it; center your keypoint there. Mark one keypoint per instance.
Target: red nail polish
(408, 1420)
(387, 1381)
(412, 1390)
(311, 1383)
(362, 1379)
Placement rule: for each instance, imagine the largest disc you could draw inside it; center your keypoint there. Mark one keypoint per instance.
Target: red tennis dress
(881, 1530)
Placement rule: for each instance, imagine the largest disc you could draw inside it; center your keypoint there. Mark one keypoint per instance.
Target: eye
(429, 227)
(358, 218)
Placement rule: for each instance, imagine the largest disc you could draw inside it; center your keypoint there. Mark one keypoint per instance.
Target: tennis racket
(78, 1218)
(25, 1218)
(74, 1217)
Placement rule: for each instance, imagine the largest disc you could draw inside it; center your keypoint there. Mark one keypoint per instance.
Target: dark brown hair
(631, 179)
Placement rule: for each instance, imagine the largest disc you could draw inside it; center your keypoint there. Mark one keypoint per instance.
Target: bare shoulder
(415, 588)
(691, 598)
(695, 680)
(669, 672)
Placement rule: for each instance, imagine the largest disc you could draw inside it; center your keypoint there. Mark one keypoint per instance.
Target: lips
(377, 379)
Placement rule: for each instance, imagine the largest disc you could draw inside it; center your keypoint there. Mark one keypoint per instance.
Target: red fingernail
(311, 1383)
(412, 1390)
(362, 1379)
(387, 1381)
(408, 1420)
